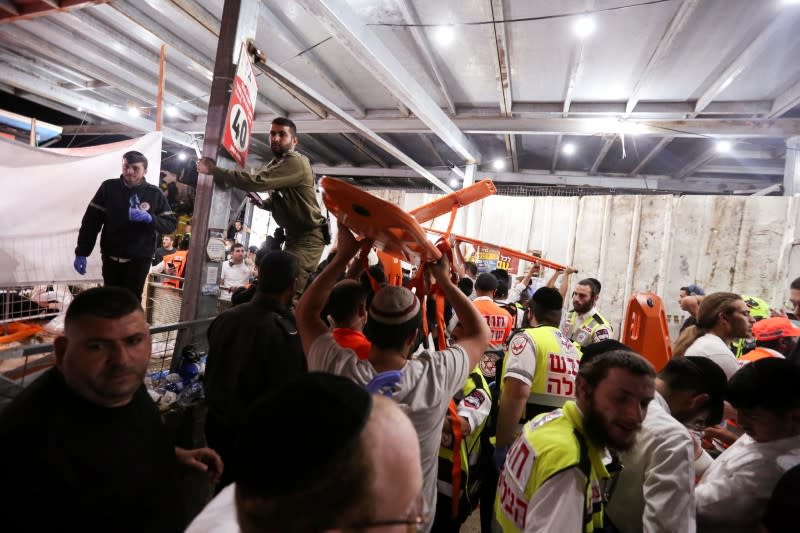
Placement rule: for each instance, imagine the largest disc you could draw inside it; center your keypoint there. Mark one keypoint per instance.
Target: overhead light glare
(182, 156)
(118, 47)
(790, 2)
(498, 164)
(133, 111)
(172, 111)
(568, 149)
(445, 35)
(724, 147)
(79, 109)
(453, 182)
(584, 27)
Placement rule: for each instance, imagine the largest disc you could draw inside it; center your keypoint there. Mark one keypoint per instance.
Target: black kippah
(295, 432)
(548, 298)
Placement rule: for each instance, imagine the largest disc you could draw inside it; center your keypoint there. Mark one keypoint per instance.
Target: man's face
(613, 412)
(166, 242)
(281, 140)
(237, 225)
(764, 425)
(238, 255)
(104, 360)
(739, 320)
(794, 297)
(133, 174)
(582, 300)
(681, 295)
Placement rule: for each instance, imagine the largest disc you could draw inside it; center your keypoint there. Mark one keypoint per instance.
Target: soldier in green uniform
(293, 199)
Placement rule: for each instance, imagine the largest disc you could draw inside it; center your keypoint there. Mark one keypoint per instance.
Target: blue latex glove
(139, 215)
(80, 264)
(500, 457)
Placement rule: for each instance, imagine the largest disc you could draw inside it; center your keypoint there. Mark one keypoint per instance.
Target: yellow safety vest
(557, 360)
(582, 335)
(550, 444)
(470, 447)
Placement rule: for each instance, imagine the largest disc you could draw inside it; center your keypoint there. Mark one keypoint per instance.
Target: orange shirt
(498, 319)
(355, 340)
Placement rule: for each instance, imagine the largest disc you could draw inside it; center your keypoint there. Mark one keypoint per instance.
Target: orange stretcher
(645, 330)
(18, 331)
(450, 203)
(502, 249)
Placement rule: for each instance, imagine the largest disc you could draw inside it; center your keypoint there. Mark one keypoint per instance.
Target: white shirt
(733, 492)
(655, 490)
(429, 381)
(219, 516)
(714, 348)
(233, 276)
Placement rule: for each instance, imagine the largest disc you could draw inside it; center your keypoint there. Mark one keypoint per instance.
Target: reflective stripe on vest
(550, 444)
(582, 335)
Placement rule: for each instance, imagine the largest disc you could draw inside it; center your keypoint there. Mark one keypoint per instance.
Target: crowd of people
(357, 407)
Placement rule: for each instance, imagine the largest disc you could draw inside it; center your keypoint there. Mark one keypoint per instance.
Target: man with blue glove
(130, 213)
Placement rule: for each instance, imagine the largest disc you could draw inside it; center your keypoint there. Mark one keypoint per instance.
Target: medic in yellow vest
(555, 477)
(584, 325)
(539, 368)
(775, 337)
(759, 310)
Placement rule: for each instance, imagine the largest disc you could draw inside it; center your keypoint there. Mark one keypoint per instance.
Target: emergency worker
(775, 337)
(498, 319)
(584, 324)
(759, 310)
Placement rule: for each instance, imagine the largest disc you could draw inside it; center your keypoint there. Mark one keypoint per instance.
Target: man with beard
(554, 473)
(584, 325)
(293, 200)
(130, 212)
(655, 490)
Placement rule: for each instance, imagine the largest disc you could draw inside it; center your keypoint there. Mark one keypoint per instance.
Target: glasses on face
(417, 518)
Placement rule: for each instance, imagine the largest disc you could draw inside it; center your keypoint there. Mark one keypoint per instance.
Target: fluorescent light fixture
(453, 182)
(568, 149)
(584, 27)
(445, 35)
(79, 109)
(172, 111)
(182, 156)
(498, 164)
(724, 147)
(133, 111)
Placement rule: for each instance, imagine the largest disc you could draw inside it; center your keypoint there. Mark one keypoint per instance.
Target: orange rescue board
(445, 204)
(645, 329)
(390, 229)
(502, 249)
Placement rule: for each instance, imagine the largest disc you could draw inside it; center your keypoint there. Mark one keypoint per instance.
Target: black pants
(221, 438)
(131, 274)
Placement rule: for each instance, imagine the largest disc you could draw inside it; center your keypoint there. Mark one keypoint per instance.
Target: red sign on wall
(241, 109)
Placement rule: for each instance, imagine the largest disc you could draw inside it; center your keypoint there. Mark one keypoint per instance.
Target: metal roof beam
(313, 60)
(323, 148)
(676, 25)
(692, 166)
(571, 179)
(556, 153)
(410, 16)
(609, 140)
(786, 101)
(761, 170)
(428, 142)
(362, 147)
(650, 155)
(575, 71)
(71, 98)
(279, 73)
(365, 46)
(747, 57)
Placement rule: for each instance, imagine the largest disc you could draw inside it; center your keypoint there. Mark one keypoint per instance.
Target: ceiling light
(568, 149)
(445, 35)
(182, 156)
(498, 164)
(583, 27)
(724, 147)
(133, 111)
(453, 182)
(790, 2)
(118, 47)
(172, 111)
(79, 109)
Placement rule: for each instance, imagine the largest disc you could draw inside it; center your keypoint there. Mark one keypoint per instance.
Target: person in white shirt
(655, 490)
(353, 465)
(424, 384)
(235, 273)
(722, 318)
(734, 490)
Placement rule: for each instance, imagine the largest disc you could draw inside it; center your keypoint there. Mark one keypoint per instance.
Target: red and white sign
(241, 109)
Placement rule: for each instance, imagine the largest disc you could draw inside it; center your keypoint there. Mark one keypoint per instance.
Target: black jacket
(121, 237)
(252, 348)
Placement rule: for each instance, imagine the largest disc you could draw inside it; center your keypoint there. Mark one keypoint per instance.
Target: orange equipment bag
(645, 329)
(18, 331)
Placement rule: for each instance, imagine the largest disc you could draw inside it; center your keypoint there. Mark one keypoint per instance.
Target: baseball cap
(393, 305)
(306, 407)
(774, 328)
(695, 290)
(758, 308)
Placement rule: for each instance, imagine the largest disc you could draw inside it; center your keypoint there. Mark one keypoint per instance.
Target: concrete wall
(647, 243)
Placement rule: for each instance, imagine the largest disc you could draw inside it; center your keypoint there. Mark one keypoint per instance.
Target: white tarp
(45, 193)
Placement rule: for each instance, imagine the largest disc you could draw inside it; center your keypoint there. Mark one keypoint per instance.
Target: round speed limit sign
(239, 129)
